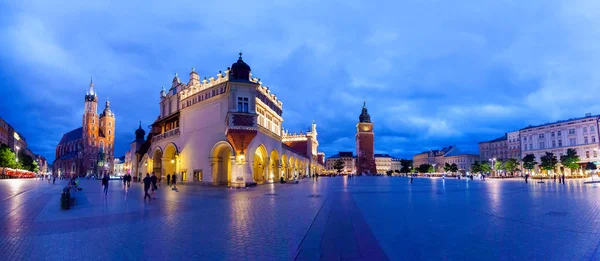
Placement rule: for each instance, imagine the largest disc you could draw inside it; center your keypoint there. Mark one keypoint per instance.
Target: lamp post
(17, 149)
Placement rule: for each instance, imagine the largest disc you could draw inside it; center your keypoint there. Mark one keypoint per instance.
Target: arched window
(110, 124)
(73, 167)
(101, 123)
(102, 144)
(109, 132)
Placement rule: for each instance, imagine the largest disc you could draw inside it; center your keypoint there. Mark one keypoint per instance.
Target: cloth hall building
(226, 130)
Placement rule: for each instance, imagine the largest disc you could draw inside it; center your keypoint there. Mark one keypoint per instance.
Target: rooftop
(588, 116)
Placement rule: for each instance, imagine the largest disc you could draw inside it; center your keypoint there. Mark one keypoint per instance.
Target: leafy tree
(548, 161)
(486, 167)
(511, 165)
(26, 161)
(454, 168)
(424, 168)
(389, 172)
(476, 167)
(499, 165)
(397, 171)
(338, 165)
(7, 157)
(431, 169)
(447, 167)
(529, 162)
(590, 166)
(570, 160)
(406, 165)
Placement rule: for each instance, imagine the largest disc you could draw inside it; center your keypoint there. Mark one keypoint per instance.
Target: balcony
(241, 121)
(167, 134)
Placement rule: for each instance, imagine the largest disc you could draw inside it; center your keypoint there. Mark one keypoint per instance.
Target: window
(560, 143)
(592, 129)
(553, 144)
(571, 131)
(587, 154)
(541, 135)
(110, 124)
(558, 133)
(584, 129)
(530, 146)
(585, 140)
(593, 139)
(552, 134)
(572, 142)
(541, 145)
(524, 138)
(109, 132)
(242, 104)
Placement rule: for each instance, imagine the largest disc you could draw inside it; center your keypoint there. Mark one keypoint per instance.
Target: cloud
(433, 73)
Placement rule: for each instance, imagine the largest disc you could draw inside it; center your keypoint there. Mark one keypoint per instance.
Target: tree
(7, 157)
(485, 167)
(511, 165)
(406, 165)
(447, 167)
(26, 161)
(424, 168)
(338, 165)
(476, 167)
(529, 162)
(499, 166)
(389, 172)
(397, 171)
(454, 168)
(431, 169)
(548, 162)
(591, 167)
(570, 160)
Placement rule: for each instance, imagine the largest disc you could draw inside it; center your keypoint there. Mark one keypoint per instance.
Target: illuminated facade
(226, 130)
(345, 156)
(365, 144)
(88, 150)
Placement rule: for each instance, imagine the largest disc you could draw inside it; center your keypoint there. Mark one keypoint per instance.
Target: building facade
(580, 134)
(396, 164)
(514, 145)
(434, 158)
(349, 163)
(383, 163)
(463, 161)
(226, 130)
(496, 149)
(365, 145)
(89, 149)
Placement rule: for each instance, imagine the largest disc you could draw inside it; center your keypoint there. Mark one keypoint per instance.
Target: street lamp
(17, 148)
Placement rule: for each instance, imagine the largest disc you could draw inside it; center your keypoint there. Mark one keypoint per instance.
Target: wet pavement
(364, 218)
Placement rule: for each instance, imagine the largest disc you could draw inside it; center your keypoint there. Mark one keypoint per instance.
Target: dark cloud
(449, 73)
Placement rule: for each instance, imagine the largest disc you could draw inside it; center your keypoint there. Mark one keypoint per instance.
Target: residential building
(396, 164)
(580, 134)
(347, 157)
(383, 163)
(514, 145)
(494, 149)
(432, 157)
(463, 161)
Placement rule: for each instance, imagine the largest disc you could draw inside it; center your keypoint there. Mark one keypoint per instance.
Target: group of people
(127, 180)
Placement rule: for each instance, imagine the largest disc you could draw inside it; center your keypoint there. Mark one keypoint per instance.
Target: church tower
(365, 144)
(90, 116)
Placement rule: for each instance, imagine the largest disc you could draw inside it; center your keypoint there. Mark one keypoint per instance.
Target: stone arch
(157, 155)
(220, 162)
(260, 164)
(170, 161)
(274, 167)
(291, 168)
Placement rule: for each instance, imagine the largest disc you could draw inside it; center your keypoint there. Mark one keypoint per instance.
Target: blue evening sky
(433, 73)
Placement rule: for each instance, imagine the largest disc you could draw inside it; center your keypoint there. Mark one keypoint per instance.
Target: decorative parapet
(167, 134)
(286, 136)
(191, 89)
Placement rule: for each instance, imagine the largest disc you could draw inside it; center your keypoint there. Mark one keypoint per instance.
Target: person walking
(526, 177)
(153, 179)
(53, 179)
(168, 179)
(105, 184)
(124, 181)
(128, 179)
(147, 182)
(174, 180)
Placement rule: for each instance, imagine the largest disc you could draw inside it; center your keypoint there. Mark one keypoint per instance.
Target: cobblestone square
(363, 218)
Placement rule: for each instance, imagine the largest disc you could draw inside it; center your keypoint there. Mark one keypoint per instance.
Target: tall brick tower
(90, 116)
(365, 144)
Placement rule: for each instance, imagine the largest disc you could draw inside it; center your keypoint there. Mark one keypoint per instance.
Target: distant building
(434, 158)
(396, 164)
(17, 143)
(463, 161)
(496, 149)
(383, 163)
(514, 145)
(119, 166)
(346, 157)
